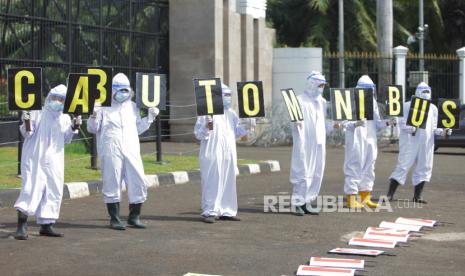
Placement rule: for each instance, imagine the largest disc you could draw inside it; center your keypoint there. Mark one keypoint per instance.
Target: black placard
(343, 105)
(151, 90)
(449, 113)
(418, 112)
(292, 104)
(251, 99)
(81, 94)
(395, 100)
(208, 96)
(104, 84)
(364, 103)
(24, 88)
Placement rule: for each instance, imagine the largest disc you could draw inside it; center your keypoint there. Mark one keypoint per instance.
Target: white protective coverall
(361, 147)
(309, 143)
(117, 129)
(218, 160)
(42, 161)
(418, 148)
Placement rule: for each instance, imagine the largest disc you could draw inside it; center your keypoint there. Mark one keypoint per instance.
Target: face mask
(56, 106)
(121, 96)
(227, 102)
(425, 95)
(320, 90)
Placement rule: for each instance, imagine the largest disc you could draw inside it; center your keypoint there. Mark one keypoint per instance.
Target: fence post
(20, 145)
(400, 54)
(93, 152)
(461, 54)
(158, 120)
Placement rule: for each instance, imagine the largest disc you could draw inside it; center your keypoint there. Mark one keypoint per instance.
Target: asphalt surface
(176, 242)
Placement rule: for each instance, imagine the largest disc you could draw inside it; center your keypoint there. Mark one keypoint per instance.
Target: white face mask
(227, 102)
(320, 90)
(121, 96)
(425, 95)
(56, 106)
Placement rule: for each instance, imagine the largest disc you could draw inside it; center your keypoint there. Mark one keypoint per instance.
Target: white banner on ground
(398, 226)
(337, 262)
(387, 230)
(372, 243)
(307, 270)
(416, 221)
(354, 251)
(386, 236)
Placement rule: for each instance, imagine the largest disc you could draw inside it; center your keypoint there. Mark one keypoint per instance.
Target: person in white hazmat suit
(117, 129)
(218, 160)
(42, 163)
(309, 146)
(361, 150)
(416, 145)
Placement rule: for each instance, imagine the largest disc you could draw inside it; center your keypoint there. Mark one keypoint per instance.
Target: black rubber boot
(299, 210)
(392, 189)
(134, 216)
(115, 221)
(47, 230)
(21, 230)
(417, 193)
(236, 218)
(309, 212)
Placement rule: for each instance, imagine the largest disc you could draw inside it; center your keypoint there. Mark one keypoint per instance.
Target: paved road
(262, 244)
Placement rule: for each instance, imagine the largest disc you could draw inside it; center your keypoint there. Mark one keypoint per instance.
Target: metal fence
(64, 36)
(443, 71)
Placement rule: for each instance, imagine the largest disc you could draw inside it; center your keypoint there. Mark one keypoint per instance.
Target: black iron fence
(64, 36)
(443, 71)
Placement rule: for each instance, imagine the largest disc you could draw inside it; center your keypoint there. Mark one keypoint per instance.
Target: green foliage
(315, 23)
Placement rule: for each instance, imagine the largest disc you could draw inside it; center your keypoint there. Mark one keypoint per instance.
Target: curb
(75, 190)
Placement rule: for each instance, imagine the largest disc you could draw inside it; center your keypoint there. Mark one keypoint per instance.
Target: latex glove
(392, 122)
(209, 124)
(360, 123)
(446, 132)
(77, 122)
(338, 126)
(153, 113)
(298, 124)
(27, 122)
(410, 129)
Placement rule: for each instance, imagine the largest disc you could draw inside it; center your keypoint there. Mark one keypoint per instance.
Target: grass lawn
(77, 165)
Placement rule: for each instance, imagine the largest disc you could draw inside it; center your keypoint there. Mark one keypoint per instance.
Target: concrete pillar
(232, 46)
(461, 54)
(247, 45)
(400, 54)
(196, 51)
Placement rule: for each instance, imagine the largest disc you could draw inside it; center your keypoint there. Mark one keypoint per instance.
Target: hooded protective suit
(42, 160)
(309, 143)
(361, 147)
(218, 159)
(417, 148)
(117, 129)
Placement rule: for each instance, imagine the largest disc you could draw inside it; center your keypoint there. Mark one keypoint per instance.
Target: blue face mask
(121, 96)
(56, 106)
(227, 102)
